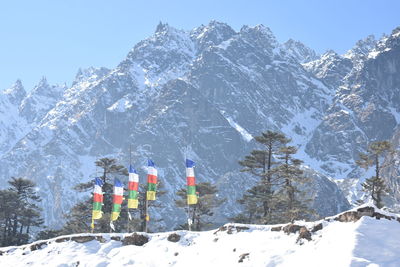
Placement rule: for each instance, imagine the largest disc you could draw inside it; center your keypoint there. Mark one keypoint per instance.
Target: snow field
(367, 242)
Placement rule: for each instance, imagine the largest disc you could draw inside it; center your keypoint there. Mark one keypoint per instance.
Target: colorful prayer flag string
(117, 199)
(191, 183)
(151, 180)
(133, 188)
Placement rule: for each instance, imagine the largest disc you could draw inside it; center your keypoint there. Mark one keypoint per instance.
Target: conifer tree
(258, 201)
(375, 186)
(139, 222)
(79, 218)
(19, 211)
(291, 200)
(201, 212)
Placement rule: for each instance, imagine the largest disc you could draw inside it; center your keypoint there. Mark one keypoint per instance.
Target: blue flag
(189, 163)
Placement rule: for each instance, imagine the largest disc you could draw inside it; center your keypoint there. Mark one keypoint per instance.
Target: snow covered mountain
(364, 236)
(365, 106)
(203, 94)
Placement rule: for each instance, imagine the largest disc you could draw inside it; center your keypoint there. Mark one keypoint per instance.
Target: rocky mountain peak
(361, 49)
(45, 89)
(162, 27)
(387, 43)
(299, 51)
(165, 54)
(212, 34)
(260, 33)
(164, 40)
(329, 54)
(396, 32)
(40, 100)
(164, 31)
(365, 45)
(16, 92)
(90, 74)
(331, 67)
(42, 83)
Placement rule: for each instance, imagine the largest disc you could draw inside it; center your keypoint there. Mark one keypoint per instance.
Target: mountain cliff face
(204, 94)
(365, 107)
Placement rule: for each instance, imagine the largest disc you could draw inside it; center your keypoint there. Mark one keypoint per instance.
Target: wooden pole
(127, 208)
(189, 220)
(146, 214)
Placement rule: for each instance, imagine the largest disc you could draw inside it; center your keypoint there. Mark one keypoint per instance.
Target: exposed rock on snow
(359, 242)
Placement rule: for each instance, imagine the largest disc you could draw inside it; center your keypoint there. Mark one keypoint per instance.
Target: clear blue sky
(53, 38)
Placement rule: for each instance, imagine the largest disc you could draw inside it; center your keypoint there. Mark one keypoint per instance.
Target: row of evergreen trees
(275, 198)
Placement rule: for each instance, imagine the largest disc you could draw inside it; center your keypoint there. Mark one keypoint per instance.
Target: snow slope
(366, 242)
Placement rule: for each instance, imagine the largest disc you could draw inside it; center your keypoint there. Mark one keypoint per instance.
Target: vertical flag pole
(191, 191)
(146, 213)
(151, 188)
(188, 216)
(97, 201)
(118, 197)
(188, 206)
(92, 225)
(146, 207)
(127, 207)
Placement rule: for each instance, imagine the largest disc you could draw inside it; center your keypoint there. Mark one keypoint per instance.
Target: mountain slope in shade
(365, 108)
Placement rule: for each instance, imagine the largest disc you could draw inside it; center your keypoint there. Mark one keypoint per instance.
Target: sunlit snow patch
(121, 105)
(245, 134)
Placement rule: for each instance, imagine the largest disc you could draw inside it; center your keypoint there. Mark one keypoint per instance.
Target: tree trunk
(5, 231)
(194, 216)
(375, 193)
(146, 214)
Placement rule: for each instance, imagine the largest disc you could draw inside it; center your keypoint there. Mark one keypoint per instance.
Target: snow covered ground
(366, 242)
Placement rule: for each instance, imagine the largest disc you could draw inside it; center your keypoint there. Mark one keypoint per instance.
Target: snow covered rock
(358, 243)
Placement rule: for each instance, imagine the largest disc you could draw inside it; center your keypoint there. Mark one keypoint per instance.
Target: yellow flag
(114, 216)
(133, 203)
(151, 195)
(96, 214)
(191, 199)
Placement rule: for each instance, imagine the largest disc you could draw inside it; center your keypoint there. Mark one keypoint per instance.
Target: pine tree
(19, 211)
(291, 203)
(139, 222)
(375, 186)
(8, 201)
(79, 218)
(201, 212)
(258, 201)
